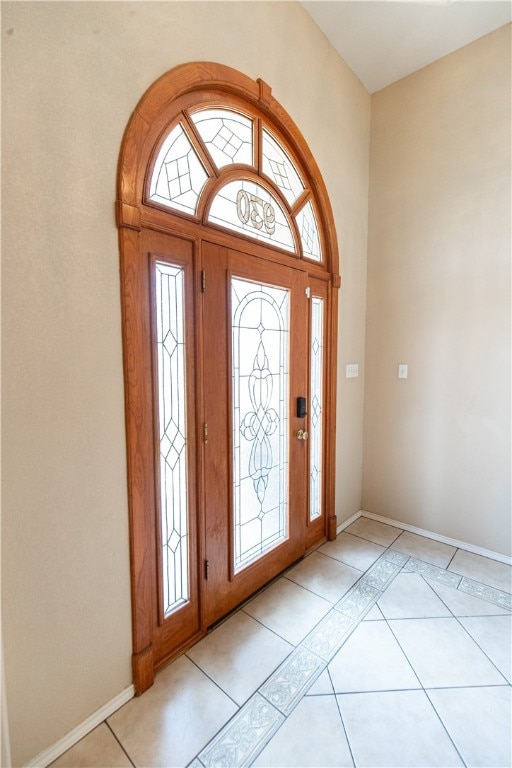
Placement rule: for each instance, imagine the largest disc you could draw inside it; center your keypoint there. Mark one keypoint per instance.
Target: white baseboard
(437, 537)
(341, 527)
(5, 746)
(81, 730)
(428, 535)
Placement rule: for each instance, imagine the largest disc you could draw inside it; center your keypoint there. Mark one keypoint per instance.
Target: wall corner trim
(86, 726)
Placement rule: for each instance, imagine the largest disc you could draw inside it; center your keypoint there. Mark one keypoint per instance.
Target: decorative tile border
(381, 574)
(433, 572)
(244, 736)
(329, 635)
(399, 558)
(490, 594)
(358, 601)
(251, 728)
(292, 679)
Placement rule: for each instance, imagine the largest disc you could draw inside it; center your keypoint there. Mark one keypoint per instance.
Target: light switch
(402, 371)
(352, 370)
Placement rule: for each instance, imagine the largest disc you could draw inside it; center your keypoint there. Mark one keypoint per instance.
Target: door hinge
(205, 432)
(307, 291)
(203, 281)
(206, 568)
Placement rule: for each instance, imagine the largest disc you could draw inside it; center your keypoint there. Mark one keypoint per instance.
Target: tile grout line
(119, 742)
(316, 593)
(444, 727)
(215, 682)
(480, 647)
(405, 690)
(342, 720)
(273, 631)
(457, 618)
(422, 688)
(451, 558)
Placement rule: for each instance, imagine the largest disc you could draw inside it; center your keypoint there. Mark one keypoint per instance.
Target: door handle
(301, 434)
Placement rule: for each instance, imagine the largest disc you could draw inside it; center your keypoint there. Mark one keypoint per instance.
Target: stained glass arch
(278, 207)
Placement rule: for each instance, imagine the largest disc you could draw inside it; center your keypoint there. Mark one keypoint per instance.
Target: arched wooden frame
(183, 88)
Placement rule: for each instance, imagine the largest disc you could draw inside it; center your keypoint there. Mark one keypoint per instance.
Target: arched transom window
(268, 200)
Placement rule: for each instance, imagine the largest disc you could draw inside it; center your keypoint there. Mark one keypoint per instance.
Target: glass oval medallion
(244, 206)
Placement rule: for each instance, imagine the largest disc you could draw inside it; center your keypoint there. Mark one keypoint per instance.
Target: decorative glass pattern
(278, 166)
(170, 341)
(227, 135)
(178, 174)
(244, 206)
(260, 323)
(315, 421)
(308, 228)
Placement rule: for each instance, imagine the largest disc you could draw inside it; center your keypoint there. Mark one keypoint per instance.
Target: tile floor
(382, 648)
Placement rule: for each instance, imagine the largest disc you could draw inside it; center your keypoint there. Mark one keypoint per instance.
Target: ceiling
(387, 40)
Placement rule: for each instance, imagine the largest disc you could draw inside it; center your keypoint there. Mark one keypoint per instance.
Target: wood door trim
(199, 83)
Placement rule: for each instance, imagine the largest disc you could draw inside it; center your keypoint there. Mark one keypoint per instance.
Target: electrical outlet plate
(352, 370)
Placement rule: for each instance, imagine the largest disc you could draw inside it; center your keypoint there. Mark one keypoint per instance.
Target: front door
(224, 376)
(255, 367)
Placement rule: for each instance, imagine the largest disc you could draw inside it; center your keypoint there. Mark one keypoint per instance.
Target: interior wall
(72, 74)
(437, 445)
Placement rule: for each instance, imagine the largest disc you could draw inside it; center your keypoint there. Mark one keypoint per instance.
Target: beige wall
(72, 74)
(437, 445)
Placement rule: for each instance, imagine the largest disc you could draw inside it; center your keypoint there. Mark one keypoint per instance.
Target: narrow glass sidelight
(260, 338)
(172, 433)
(316, 419)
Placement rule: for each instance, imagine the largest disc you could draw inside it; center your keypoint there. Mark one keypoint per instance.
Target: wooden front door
(255, 332)
(224, 491)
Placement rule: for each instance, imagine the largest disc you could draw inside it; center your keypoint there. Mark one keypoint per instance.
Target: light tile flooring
(382, 648)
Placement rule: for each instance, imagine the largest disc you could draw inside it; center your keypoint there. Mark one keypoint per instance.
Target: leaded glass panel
(278, 166)
(260, 338)
(244, 206)
(309, 235)
(227, 135)
(178, 174)
(170, 344)
(315, 421)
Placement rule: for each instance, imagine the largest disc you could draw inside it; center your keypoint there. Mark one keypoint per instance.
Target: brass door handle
(301, 435)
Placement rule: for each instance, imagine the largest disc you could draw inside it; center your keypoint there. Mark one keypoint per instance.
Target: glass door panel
(260, 359)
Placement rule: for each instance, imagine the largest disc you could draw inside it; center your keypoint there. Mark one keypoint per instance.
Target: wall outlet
(403, 371)
(352, 370)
